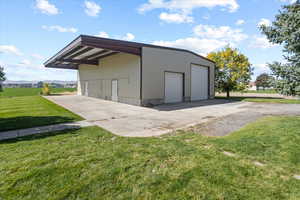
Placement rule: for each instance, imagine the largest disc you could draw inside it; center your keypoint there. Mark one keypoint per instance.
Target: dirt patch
(297, 177)
(225, 125)
(228, 154)
(259, 164)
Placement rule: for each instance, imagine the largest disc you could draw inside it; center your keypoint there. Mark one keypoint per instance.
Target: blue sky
(33, 30)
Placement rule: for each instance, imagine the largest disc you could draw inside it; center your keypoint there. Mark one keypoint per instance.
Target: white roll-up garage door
(173, 87)
(199, 82)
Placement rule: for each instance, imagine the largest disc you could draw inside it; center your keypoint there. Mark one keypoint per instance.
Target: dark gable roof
(140, 45)
(89, 49)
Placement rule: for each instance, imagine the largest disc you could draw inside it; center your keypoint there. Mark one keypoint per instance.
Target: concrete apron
(135, 121)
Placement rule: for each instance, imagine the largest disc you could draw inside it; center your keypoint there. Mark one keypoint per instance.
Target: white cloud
(261, 66)
(37, 56)
(45, 7)
(129, 37)
(175, 18)
(207, 38)
(259, 69)
(261, 42)
(10, 49)
(180, 11)
(206, 17)
(201, 46)
(240, 22)
(91, 8)
(188, 5)
(264, 22)
(224, 33)
(288, 1)
(36, 72)
(59, 29)
(25, 62)
(102, 34)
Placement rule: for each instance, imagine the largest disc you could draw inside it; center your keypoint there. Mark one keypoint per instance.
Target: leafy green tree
(285, 30)
(287, 78)
(2, 77)
(264, 80)
(233, 70)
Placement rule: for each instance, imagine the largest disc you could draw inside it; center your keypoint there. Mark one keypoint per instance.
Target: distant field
(20, 92)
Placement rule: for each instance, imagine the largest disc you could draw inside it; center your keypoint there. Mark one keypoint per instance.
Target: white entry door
(199, 82)
(114, 90)
(86, 88)
(173, 87)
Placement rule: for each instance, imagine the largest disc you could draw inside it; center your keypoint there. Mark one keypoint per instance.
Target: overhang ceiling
(90, 49)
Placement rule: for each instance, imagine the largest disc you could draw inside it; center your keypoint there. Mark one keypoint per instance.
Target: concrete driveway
(135, 121)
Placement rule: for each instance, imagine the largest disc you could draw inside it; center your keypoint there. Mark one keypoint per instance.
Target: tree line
(233, 69)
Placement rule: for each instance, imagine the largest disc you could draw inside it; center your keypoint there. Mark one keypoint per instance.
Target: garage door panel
(173, 87)
(199, 82)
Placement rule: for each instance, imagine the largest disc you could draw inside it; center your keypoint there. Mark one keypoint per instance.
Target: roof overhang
(89, 50)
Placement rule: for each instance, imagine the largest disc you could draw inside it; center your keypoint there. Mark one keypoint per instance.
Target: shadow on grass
(41, 135)
(14, 123)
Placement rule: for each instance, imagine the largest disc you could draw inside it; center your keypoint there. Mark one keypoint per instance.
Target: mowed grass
(91, 163)
(18, 92)
(274, 141)
(273, 100)
(266, 91)
(31, 111)
(262, 99)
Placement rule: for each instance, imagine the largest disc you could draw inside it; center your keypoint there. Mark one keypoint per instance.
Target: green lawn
(91, 163)
(266, 91)
(271, 140)
(262, 99)
(31, 111)
(17, 92)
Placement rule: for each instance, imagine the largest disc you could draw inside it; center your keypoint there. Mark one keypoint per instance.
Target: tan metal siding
(156, 61)
(124, 67)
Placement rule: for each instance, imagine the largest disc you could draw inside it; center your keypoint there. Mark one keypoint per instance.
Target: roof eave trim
(63, 66)
(76, 42)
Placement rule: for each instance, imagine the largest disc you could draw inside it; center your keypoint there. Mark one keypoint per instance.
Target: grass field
(91, 163)
(31, 111)
(17, 92)
(274, 141)
(266, 91)
(262, 99)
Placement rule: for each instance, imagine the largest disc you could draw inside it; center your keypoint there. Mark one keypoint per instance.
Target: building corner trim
(141, 76)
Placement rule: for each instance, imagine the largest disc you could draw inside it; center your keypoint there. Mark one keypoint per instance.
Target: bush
(46, 89)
